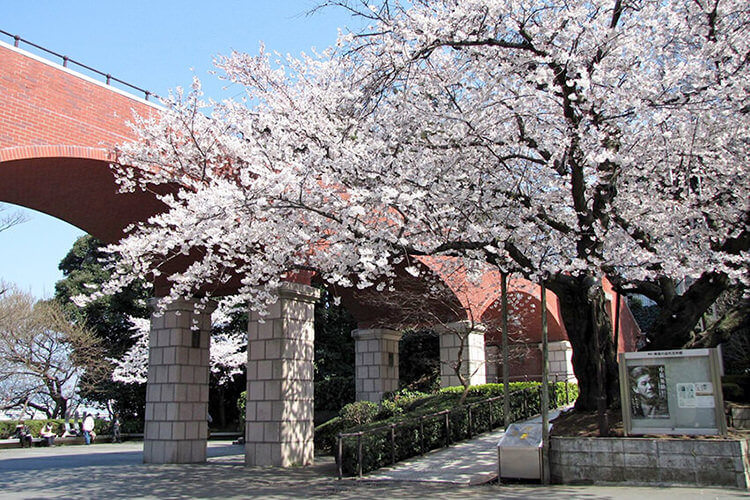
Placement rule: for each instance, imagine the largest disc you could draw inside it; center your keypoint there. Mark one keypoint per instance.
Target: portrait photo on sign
(648, 386)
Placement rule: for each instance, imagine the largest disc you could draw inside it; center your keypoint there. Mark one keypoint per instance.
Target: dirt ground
(586, 424)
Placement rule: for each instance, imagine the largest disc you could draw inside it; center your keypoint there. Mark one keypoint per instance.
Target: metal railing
(445, 415)
(108, 78)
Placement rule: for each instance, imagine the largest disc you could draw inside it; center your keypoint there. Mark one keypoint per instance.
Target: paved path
(467, 463)
(116, 471)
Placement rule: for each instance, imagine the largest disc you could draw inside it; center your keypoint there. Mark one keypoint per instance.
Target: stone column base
(176, 424)
(376, 362)
(560, 361)
(452, 336)
(279, 414)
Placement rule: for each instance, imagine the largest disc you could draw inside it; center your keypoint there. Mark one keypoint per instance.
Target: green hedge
(101, 427)
(405, 436)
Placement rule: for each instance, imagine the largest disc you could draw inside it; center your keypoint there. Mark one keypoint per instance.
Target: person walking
(88, 428)
(116, 437)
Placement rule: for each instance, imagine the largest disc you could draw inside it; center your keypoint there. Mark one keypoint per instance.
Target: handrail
(420, 420)
(65, 60)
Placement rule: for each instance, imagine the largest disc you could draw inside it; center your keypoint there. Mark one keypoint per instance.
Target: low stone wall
(701, 462)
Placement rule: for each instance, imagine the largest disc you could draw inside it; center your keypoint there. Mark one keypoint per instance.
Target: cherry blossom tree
(565, 140)
(227, 355)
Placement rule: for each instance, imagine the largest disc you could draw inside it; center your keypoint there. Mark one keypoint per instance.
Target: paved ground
(115, 471)
(468, 463)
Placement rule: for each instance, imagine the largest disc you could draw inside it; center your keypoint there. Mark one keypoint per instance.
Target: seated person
(23, 434)
(48, 434)
(70, 430)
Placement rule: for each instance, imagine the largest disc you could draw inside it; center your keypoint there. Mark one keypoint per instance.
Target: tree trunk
(736, 318)
(678, 315)
(582, 303)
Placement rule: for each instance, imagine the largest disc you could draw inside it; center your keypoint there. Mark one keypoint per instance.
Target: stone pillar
(375, 362)
(452, 336)
(177, 393)
(560, 361)
(279, 415)
(492, 356)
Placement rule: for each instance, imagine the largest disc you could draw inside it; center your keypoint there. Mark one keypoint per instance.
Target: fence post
(340, 443)
(447, 428)
(469, 426)
(393, 443)
(359, 454)
(421, 435)
(489, 402)
(554, 392)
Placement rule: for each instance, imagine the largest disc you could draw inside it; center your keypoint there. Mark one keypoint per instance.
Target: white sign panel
(672, 392)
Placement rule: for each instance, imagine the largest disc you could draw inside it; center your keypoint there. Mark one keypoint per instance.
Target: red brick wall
(57, 133)
(43, 105)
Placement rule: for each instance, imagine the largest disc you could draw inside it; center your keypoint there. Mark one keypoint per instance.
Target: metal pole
(545, 388)
(492, 418)
(506, 368)
(421, 435)
(617, 321)
(393, 443)
(601, 400)
(340, 456)
(469, 426)
(359, 454)
(447, 429)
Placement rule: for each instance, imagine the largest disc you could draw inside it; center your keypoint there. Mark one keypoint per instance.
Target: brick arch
(79, 189)
(56, 151)
(58, 132)
(409, 303)
(524, 311)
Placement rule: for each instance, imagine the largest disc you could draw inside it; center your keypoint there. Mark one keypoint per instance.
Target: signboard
(672, 392)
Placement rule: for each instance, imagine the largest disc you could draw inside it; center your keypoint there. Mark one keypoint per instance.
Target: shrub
(742, 382)
(388, 409)
(732, 392)
(421, 430)
(132, 426)
(8, 427)
(241, 405)
(358, 413)
(325, 435)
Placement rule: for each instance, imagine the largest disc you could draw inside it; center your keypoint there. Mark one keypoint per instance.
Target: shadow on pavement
(115, 475)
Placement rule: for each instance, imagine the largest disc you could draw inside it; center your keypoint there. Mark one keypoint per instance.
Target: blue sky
(156, 45)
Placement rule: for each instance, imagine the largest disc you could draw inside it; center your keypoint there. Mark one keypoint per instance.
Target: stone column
(560, 361)
(452, 336)
(375, 362)
(177, 393)
(493, 374)
(279, 415)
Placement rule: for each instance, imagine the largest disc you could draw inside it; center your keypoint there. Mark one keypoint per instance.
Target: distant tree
(109, 318)
(44, 355)
(228, 355)
(419, 360)
(334, 354)
(334, 345)
(8, 220)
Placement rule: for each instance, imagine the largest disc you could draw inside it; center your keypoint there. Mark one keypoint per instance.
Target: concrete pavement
(115, 471)
(467, 463)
